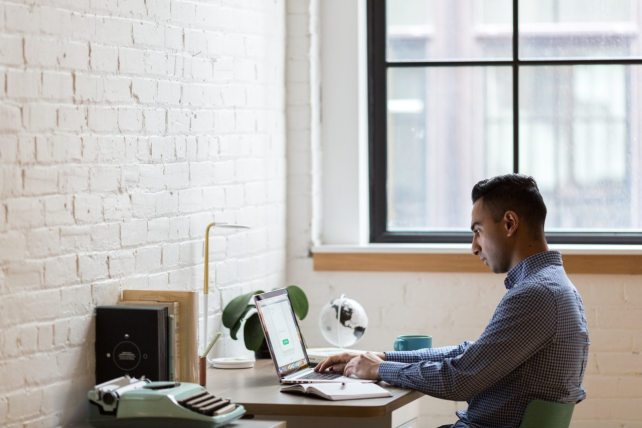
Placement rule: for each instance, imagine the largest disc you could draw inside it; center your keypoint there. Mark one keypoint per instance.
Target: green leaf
(236, 309)
(253, 333)
(299, 301)
(235, 329)
(237, 326)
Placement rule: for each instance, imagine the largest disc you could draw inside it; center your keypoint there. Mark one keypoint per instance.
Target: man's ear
(511, 223)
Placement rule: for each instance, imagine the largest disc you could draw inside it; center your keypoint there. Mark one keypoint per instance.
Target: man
(536, 344)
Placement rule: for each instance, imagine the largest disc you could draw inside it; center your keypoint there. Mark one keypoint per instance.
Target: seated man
(536, 344)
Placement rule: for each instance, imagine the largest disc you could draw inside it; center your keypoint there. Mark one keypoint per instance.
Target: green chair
(547, 414)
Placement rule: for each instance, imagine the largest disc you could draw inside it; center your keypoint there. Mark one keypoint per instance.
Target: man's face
(490, 240)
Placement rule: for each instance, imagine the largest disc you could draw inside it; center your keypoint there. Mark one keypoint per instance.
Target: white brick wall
(451, 307)
(125, 127)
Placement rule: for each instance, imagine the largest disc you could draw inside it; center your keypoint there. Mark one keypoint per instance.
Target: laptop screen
(281, 331)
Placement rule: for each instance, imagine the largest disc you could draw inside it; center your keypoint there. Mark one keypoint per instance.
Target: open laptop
(285, 341)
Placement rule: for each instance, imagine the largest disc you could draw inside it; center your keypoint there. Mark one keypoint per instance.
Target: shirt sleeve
(427, 354)
(524, 322)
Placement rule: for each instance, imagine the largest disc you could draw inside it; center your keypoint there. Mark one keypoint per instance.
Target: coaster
(232, 363)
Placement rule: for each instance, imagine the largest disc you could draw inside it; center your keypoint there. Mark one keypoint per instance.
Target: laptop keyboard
(320, 376)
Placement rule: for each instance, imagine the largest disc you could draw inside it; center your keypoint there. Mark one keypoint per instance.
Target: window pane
(447, 129)
(448, 29)
(579, 29)
(580, 138)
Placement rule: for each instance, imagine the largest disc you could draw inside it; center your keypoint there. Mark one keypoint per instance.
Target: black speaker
(131, 340)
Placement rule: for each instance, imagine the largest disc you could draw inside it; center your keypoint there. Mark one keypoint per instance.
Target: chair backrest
(547, 414)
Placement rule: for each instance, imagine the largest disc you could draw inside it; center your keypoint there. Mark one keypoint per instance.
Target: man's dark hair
(514, 192)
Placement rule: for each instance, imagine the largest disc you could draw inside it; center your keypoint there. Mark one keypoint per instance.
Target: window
(461, 90)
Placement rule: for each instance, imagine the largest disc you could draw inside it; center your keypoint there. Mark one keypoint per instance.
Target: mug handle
(401, 344)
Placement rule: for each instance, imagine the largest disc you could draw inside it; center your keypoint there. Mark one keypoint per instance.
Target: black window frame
(377, 133)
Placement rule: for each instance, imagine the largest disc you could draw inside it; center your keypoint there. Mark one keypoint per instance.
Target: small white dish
(232, 363)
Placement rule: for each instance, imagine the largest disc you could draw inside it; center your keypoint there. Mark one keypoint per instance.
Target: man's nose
(475, 248)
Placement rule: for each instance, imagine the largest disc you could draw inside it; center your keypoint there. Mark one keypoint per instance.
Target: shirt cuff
(389, 371)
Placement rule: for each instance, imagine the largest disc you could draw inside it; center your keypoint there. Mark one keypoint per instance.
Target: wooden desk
(258, 390)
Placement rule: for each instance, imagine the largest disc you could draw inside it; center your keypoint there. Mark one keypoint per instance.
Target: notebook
(285, 341)
(339, 391)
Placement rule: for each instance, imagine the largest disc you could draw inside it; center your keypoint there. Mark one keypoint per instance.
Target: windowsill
(590, 259)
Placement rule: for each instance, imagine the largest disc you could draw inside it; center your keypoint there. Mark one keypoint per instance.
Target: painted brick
(58, 148)
(105, 178)
(11, 49)
(103, 58)
(25, 212)
(121, 263)
(177, 176)
(61, 270)
(149, 177)
(57, 85)
(88, 208)
(158, 230)
(170, 255)
(103, 119)
(24, 276)
(21, 19)
(75, 55)
(43, 242)
(179, 228)
(92, 267)
(159, 10)
(78, 75)
(155, 121)
(40, 180)
(88, 88)
(117, 89)
(59, 210)
(158, 63)
(72, 118)
(73, 178)
(23, 84)
(55, 21)
(105, 149)
(190, 200)
(105, 237)
(117, 207)
(8, 149)
(114, 31)
(24, 404)
(10, 118)
(26, 149)
(133, 233)
(169, 92)
(144, 90)
(13, 246)
(40, 117)
(76, 301)
(147, 259)
(148, 34)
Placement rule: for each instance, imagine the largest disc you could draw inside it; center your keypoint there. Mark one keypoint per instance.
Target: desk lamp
(206, 275)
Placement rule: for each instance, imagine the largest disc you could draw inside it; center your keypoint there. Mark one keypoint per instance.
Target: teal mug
(412, 342)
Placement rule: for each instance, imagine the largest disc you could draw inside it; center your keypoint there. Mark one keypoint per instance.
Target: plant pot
(263, 352)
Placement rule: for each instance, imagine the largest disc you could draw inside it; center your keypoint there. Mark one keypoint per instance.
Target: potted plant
(242, 308)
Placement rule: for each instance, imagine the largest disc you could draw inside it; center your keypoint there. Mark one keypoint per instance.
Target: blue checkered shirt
(535, 347)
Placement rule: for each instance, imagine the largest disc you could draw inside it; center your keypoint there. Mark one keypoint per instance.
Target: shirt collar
(531, 264)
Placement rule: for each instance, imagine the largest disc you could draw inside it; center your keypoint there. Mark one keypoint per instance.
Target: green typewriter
(129, 402)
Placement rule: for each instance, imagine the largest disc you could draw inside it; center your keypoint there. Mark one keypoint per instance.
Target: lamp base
(232, 363)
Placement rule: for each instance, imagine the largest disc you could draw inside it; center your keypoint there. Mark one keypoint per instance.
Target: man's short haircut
(515, 192)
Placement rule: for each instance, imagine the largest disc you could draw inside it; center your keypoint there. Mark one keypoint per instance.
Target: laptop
(285, 341)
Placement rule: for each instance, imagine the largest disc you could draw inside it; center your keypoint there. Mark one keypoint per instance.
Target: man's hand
(364, 366)
(335, 363)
